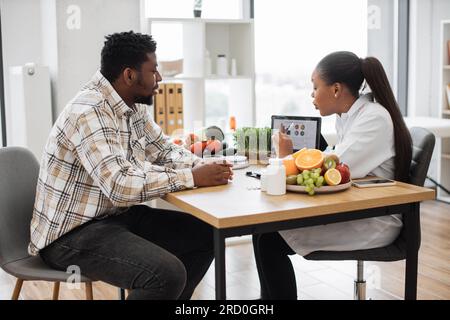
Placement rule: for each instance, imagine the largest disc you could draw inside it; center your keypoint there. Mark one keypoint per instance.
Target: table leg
(412, 225)
(121, 294)
(219, 258)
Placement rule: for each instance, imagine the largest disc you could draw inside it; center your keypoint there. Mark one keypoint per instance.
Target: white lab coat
(366, 145)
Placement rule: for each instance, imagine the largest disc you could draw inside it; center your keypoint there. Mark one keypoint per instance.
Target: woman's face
(324, 95)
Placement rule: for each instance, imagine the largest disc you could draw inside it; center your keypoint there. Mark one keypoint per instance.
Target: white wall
(425, 56)
(37, 31)
(381, 40)
(79, 41)
(21, 39)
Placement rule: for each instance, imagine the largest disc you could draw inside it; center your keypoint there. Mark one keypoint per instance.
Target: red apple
(178, 142)
(214, 146)
(344, 171)
(198, 147)
(191, 139)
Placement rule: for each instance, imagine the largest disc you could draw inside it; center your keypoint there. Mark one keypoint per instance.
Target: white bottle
(207, 64)
(233, 68)
(276, 177)
(263, 180)
(222, 65)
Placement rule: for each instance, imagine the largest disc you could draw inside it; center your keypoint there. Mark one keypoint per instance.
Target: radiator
(29, 112)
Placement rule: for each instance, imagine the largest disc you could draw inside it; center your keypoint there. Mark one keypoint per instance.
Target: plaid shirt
(100, 158)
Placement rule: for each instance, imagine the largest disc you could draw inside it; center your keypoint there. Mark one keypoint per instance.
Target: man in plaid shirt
(105, 156)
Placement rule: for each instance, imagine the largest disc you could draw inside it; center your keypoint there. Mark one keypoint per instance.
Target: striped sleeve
(98, 148)
(167, 153)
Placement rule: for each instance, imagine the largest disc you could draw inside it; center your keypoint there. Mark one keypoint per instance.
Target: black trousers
(158, 254)
(275, 270)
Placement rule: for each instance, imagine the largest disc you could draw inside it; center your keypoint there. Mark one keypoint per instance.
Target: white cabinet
(210, 99)
(443, 143)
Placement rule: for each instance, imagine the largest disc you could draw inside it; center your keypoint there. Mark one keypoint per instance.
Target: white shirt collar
(358, 104)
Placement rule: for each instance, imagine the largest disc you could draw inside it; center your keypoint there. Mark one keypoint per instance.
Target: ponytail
(347, 68)
(378, 82)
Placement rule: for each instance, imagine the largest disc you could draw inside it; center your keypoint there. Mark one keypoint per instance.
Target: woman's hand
(283, 143)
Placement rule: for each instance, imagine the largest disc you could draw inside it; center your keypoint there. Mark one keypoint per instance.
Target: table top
(240, 203)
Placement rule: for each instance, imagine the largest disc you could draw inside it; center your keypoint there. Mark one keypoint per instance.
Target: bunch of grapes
(309, 179)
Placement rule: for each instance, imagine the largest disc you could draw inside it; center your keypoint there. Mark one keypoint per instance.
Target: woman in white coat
(372, 140)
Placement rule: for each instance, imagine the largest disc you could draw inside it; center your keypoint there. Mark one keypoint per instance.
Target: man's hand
(283, 143)
(212, 174)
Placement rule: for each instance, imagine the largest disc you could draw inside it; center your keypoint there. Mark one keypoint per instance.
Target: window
(290, 38)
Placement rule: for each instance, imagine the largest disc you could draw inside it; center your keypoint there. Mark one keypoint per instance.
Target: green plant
(253, 140)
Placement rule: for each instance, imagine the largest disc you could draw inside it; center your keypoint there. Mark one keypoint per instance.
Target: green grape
(319, 181)
(305, 174)
(299, 179)
(315, 175)
(311, 193)
(308, 189)
(310, 181)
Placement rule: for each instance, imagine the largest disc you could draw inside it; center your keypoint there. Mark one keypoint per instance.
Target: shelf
(169, 79)
(199, 20)
(210, 98)
(229, 21)
(212, 77)
(446, 156)
(447, 67)
(447, 112)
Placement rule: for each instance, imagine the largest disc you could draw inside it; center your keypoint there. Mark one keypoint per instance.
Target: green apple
(291, 179)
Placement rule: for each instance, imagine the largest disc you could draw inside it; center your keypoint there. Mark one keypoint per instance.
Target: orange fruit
(332, 177)
(296, 154)
(291, 168)
(308, 159)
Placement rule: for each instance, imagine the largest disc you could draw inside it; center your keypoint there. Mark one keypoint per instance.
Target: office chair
(19, 171)
(423, 144)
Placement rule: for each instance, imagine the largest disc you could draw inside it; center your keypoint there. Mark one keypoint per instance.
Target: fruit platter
(311, 171)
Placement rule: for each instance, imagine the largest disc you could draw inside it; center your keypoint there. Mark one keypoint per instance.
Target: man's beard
(144, 100)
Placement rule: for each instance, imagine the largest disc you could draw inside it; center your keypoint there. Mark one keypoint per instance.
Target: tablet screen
(304, 131)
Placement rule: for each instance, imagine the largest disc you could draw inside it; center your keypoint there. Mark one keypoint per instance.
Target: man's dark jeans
(158, 254)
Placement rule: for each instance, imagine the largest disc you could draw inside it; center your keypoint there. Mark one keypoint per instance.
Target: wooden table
(240, 208)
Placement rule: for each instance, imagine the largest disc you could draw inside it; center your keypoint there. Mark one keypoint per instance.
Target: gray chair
(423, 145)
(19, 171)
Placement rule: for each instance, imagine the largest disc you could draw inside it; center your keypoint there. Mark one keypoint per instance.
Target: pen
(290, 127)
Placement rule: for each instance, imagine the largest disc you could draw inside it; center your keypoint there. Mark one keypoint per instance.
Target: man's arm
(166, 153)
(99, 151)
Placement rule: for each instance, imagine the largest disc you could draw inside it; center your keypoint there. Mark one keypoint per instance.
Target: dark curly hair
(124, 50)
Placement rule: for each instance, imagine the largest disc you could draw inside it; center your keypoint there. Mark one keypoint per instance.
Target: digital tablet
(304, 131)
